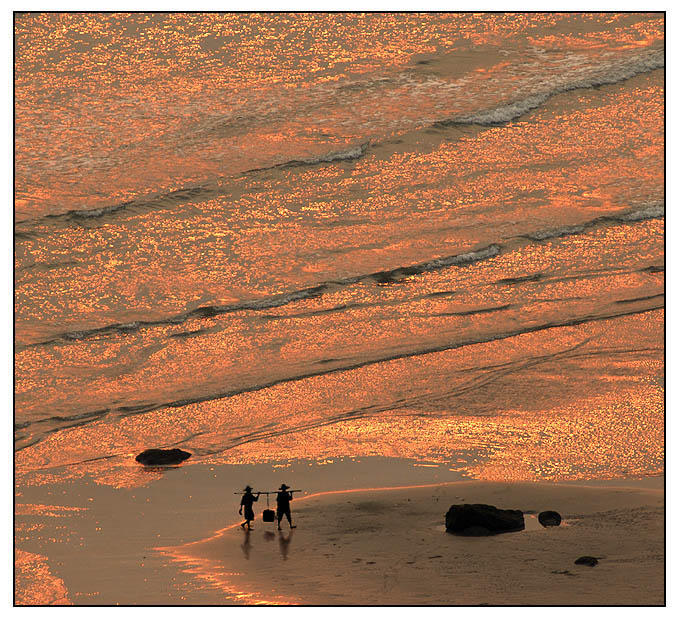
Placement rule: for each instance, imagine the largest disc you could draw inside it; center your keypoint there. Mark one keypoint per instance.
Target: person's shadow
(284, 543)
(246, 545)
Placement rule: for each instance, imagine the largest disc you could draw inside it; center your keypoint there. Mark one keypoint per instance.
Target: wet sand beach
(389, 547)
(182, 545)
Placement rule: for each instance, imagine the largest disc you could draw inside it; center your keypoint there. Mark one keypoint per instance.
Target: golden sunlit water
(359, 250)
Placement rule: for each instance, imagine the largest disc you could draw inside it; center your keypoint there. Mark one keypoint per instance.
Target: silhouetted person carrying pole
(247, 500)
(283, 500)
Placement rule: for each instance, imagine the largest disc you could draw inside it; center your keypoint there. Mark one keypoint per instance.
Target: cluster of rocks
(486, 520)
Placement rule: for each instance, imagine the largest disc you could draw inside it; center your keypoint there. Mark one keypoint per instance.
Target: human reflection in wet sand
(269, 536)
(246, 545)
(284, 543)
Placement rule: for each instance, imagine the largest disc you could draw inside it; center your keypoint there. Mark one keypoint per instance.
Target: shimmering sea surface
(282, 240)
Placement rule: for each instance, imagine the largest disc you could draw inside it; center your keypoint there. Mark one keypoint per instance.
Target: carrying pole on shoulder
(268, 492)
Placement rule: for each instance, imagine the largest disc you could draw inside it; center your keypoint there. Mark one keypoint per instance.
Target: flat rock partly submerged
(158, 456)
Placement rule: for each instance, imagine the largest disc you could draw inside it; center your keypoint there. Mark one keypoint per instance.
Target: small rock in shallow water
(156, 456)
(549, 518)
(586, 560)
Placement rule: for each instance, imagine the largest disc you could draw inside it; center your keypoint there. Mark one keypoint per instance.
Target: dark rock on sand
(482, 520)
(549, 518)
(156, 456)
(586, 560)
(475, 530)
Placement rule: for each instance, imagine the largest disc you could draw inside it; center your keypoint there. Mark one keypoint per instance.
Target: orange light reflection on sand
(44, 511)
(34, 584)
(214, 571)
(465, 399)
(406, 316)
(596, 438)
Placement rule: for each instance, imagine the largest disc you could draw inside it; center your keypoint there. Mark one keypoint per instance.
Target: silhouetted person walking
(247, 500)
(283, 500)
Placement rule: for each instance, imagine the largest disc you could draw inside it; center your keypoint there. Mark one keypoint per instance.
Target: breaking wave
(606, 73)
(654, 211)
(179, 196)
(349, 154)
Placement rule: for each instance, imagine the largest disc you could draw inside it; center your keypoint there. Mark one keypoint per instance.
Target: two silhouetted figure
(283, 499)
